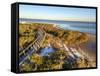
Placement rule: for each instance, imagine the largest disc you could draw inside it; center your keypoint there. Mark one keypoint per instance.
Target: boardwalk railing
(32, 48)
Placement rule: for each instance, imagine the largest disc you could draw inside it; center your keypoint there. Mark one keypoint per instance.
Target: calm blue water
(88, 27)
(46, 51)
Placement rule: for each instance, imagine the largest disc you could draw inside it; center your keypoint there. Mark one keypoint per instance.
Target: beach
(89, 47)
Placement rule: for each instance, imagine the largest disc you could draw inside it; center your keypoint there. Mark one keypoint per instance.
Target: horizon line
(58, 20)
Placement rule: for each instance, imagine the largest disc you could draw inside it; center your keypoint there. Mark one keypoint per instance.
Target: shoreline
(89, 47)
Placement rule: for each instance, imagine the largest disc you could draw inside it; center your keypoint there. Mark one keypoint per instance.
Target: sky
(57, 13)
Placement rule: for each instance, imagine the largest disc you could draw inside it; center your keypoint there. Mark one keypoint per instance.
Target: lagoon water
(88, 27)
(47, 50)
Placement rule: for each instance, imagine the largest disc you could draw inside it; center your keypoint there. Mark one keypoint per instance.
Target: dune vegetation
(55, 36)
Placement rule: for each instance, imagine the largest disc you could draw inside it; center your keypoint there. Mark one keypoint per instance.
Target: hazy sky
(57, 13)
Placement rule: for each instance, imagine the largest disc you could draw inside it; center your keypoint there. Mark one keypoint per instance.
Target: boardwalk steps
(32, 48)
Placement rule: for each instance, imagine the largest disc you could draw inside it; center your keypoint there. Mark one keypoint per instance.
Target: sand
(89, 47)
